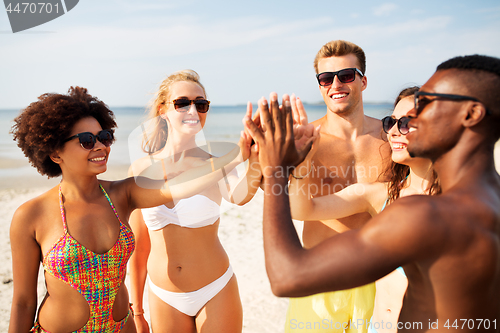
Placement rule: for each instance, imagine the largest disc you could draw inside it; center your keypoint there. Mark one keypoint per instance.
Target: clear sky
(121, 49)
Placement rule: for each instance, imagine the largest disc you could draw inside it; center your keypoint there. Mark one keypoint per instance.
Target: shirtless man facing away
(352, 149)
(448, 245)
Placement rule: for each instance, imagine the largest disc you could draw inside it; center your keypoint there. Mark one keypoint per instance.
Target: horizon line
(214, 105)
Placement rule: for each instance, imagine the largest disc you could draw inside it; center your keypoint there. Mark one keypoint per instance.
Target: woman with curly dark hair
(407, 176)
(79, 229)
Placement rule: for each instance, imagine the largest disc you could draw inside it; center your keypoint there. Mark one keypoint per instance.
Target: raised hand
(275, 137)
(302, 130)
(255, 118)
(245, 144)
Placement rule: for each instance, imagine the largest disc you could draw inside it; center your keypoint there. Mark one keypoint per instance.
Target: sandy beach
(240, 233)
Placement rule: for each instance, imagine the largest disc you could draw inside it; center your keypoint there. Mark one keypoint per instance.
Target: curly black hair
(43, 126)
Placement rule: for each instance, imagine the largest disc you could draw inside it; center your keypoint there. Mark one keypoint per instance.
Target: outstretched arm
(347, 260)
(355, 198)
(143, 192)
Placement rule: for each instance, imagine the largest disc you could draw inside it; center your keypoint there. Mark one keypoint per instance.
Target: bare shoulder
(415, 227)
(119, 191)
(420, 211)
(472, 214)
(32, 213)
(373, 126)
(377, 190)
(373, 122)
(439, 220)
(420, 204)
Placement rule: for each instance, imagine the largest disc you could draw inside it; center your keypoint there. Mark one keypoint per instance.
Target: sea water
(224, 123)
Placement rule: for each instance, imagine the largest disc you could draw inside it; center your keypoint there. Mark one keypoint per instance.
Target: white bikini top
(193, 212)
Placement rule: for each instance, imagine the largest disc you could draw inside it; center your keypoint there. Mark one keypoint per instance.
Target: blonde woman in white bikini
(192, 287)
(407, 176)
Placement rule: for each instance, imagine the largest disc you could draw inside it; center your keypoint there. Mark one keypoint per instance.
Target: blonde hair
(156, 140)
(338, 48)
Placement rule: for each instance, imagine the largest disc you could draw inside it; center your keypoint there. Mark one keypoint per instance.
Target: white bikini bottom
(192, 302)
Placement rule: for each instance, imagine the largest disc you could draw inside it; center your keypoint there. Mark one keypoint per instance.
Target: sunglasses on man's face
(88, 140)
(344, 75)
(421, 103)
(183, 104)
(403, 127)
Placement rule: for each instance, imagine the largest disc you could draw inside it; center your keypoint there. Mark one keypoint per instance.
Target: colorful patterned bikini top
(97, 277)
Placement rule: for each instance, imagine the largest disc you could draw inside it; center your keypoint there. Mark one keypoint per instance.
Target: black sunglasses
(389, 122)
(183, 104)
(344, 75)
(88, 140)
(421, 103)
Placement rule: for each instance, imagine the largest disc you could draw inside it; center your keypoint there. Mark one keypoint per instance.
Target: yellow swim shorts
(349, 309)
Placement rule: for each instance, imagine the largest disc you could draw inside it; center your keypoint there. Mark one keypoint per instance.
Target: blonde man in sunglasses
(353, 148)
(448, 245)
